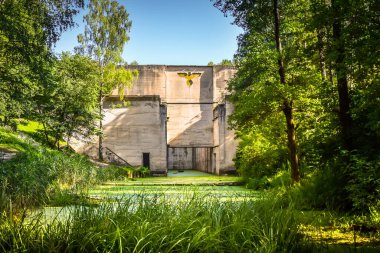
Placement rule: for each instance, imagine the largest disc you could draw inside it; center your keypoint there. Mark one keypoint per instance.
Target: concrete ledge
(116, 98)
(159, 173)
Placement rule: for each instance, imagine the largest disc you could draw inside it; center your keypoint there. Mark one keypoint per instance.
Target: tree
(316, 63)
(28, 30)
(277, 77)
(226, 62)
(350, 42)
(350, 34)
(104, 38)
(68, 104)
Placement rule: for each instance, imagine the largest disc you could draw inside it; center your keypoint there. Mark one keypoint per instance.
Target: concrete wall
(151, 81)
(222, 74)
(189, 107)
(201, 91)
(167, 112)
(224, 139)
(190, 125)
(137, 129)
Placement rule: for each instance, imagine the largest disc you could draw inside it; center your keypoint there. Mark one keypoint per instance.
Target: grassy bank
(38, 175)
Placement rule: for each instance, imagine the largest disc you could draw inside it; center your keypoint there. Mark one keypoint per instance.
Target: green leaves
(106, 31)
(104, 37)
(68, 104)
(28, 30)
(119, 78)
(330, 58)
(260, 91)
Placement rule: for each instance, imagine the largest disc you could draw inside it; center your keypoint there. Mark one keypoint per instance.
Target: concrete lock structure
(176, 118)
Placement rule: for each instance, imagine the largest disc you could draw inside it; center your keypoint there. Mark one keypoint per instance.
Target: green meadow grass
(29, 126)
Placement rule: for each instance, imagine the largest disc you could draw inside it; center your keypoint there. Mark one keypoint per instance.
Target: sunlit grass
(157, 224)
(34, 129)
(29, 126)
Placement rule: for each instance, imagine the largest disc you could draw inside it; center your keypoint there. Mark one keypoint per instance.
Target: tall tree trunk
(341, 73)
(292, 143)
(100, 150)
(322, 53)
(287, 105)
(331, 76)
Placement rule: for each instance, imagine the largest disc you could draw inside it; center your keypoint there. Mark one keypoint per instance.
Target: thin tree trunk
(280, 62)
(100, 151)
(44, 126)
(322, 53)
(292, 143)
(6, 120)
(287, 105)
(341, 73)
(331, 76)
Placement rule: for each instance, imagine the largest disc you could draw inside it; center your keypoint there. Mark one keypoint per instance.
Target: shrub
(364, 182)
(258, 183)
(112, 173)
(37, 173)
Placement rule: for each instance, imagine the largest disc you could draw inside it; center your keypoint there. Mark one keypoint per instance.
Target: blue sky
(171, 32)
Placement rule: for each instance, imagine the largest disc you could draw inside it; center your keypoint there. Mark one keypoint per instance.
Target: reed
(200, 223)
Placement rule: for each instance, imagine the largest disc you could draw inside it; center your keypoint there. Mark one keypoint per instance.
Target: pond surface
(228, 192)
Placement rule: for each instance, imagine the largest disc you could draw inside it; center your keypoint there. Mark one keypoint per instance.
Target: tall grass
(139, 224)
(38, 175)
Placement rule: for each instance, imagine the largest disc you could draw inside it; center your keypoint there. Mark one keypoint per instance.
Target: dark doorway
(190, 158)
(146, 160)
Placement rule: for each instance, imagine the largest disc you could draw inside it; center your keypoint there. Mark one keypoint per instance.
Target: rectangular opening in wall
(146, 160)
(214, 163)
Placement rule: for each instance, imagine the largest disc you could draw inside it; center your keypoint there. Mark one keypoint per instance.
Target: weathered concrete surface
(139, 128)
(222, 74)
(178, 91)
(169, 112)
(224, 139)
(190, 125)
(151, 81)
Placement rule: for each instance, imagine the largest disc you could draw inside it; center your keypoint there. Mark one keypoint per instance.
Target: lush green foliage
(67, 105)
(28, 29)
(331, 82)
(38, 174)
(105, 35)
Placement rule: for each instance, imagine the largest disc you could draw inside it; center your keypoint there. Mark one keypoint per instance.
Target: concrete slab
(187, 173)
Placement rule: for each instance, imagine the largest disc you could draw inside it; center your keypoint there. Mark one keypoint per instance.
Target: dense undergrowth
(39, 175)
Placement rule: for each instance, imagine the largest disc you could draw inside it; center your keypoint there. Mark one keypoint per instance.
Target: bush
(346, 182)
(112, 173)
(281, 179)
(37, 173)
(258, 183)
(31, 178)
(364, 184)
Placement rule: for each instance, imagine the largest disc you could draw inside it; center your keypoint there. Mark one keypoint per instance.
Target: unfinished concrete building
(176, 119)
